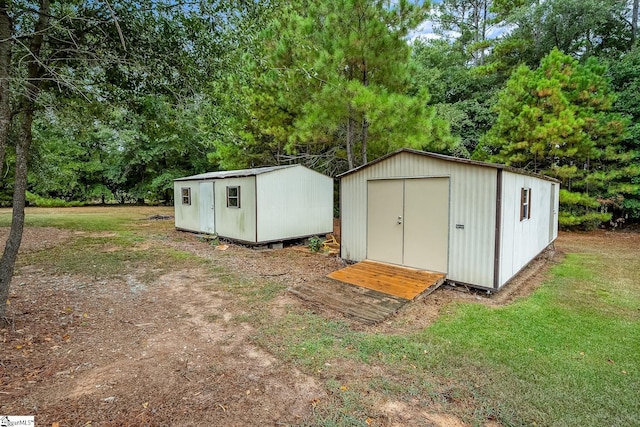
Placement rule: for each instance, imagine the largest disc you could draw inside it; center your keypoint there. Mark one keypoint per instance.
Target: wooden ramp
(395, 280)
(369, 291)
(364, 305)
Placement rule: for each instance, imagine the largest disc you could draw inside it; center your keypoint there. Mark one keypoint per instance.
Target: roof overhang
(449, 159)
(240, 173)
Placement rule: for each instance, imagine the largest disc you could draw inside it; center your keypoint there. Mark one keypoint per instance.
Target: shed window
(233, 197)
(525, 204)
(186, 195)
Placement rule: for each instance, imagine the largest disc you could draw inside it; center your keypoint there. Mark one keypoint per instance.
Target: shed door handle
(399, 220)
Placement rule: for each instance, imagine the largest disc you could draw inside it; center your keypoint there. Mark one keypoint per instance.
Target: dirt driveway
(84, 351)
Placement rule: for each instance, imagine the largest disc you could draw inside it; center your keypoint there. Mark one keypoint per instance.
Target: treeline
(135, 94)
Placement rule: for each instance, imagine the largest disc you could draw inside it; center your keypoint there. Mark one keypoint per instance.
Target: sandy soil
(81, 351)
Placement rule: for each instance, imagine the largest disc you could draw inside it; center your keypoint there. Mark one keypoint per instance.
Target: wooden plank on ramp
(364, 305)
(399, 281)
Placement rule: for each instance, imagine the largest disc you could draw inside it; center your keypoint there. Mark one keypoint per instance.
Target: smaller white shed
(478, 223)
(260, 205)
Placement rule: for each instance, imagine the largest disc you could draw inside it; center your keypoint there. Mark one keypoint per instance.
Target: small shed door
(408, 222)
(206, 208)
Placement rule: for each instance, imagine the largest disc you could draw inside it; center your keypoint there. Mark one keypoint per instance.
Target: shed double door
(408, 222)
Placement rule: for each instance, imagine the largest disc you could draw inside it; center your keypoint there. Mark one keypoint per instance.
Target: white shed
(261, 205)
(479, 223)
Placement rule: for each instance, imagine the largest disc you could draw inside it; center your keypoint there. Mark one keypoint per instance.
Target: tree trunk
(365, 138)
(350, 139)
(634, 21)
(27, 104)
(5, 66)
(485, 11)
(17, 220)
(476, 32)
(365, 123)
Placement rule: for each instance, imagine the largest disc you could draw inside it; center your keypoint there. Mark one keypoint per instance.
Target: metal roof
(450, 159)
(234, 173)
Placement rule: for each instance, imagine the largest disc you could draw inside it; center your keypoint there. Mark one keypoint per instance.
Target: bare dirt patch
(38, 238)
(84, 351)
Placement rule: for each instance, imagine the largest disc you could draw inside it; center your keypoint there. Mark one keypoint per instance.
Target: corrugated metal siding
(472, 205)
(234, 223)
(187, 217)
(293, 202)
(521, 241)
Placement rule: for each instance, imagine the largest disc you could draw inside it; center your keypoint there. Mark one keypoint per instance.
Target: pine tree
(557, 120)
(333, 86)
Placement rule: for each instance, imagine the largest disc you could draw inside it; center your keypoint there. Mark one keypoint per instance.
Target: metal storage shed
(479, 223)
(261, 205)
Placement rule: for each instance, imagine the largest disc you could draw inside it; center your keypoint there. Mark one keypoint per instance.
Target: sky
(425, 31)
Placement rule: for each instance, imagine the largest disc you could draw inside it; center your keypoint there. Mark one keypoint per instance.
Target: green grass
(102, 260)
(568, 355)
(89, 219)
(565, 356)
(107, 246)
(344, 409)
(251, 291)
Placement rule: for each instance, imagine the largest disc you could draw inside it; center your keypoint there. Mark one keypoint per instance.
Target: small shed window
(186, 195)
(233, 197)
(525, 204)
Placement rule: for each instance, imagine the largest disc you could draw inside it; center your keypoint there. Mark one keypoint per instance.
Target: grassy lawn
(112, 218)
(550, 359)
(568, 355)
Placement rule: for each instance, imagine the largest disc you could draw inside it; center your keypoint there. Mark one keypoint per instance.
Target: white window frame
(185, 193)
(233, 201)
(525, 203)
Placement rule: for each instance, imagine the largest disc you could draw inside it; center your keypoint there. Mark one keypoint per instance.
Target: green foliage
(558, 120)
(471, 20)
(625, 79)
(330, 87)
(42, 202)
(581, 28)
(582, 221)
(315, 244)
(632, 207)
(461, 96)
(133, 106)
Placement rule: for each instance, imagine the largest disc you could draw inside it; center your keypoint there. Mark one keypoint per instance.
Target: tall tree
(634, 19)
(460, 94)
(471, 20)
(558, 120)
(33, 72)
(336, 79)
(102, 52)
(580, 28)
(625, 78)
